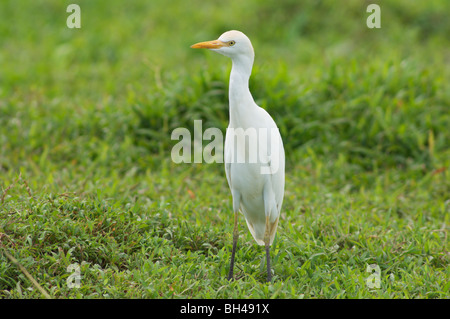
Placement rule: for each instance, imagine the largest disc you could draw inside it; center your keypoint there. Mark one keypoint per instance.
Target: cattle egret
(254, 153)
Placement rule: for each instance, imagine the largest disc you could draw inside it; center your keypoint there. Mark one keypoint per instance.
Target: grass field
(86, 176)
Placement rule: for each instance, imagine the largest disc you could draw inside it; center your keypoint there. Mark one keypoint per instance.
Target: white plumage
(254, 154)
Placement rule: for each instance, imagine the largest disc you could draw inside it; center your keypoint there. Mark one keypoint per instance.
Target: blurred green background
(127, 78)
(86, 117)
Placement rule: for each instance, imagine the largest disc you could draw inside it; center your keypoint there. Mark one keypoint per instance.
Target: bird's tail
(258, 231)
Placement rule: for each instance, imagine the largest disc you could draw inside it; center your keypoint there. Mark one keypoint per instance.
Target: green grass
(86, 175)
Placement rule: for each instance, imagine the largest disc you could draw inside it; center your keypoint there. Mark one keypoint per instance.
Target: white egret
(254, 170)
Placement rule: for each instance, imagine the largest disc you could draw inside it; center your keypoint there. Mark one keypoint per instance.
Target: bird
(254, 153)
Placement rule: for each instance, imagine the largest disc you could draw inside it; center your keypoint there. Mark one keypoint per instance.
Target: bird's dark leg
(235, 239)
(269, 273)
(267, 245)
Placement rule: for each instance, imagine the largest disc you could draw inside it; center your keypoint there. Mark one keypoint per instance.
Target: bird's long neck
(241, 101)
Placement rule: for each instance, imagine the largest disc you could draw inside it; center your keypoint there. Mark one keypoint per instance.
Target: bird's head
(233, 44)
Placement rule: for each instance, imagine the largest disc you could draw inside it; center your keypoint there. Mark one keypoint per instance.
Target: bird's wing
(275, 180)
(274, 175)
(278, 178)
(276, 162)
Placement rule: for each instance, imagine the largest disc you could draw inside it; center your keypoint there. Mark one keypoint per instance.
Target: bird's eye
(231, 43)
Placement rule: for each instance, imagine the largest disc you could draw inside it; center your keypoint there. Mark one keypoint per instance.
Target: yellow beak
(215, 44)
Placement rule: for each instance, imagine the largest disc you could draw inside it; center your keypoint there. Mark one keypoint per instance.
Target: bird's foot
(230, 276)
